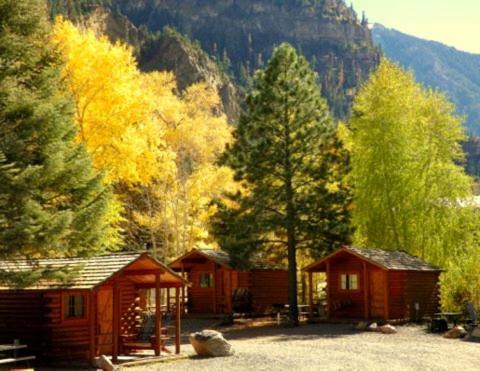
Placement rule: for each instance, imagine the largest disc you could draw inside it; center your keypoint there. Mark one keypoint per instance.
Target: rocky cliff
(242, 34)
(171, 51)
(167, 50)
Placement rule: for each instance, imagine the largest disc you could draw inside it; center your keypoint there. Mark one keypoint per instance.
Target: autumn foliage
(157, 146)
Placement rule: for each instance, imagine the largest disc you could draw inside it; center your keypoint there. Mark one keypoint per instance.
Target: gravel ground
(333, 347)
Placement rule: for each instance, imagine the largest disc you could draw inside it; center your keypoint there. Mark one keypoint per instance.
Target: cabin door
(377, 294)
(105, 320)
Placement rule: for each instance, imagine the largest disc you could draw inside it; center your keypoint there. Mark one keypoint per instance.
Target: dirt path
(334, 347)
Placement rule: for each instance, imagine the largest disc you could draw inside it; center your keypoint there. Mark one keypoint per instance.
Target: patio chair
(472, 322)
(242, 300)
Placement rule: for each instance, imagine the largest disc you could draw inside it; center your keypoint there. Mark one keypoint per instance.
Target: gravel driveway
(334, 347)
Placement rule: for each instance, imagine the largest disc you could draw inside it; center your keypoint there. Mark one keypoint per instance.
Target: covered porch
(347, 286)
(132, 317)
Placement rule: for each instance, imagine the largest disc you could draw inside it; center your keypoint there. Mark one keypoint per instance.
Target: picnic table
(14, 348)
(449, 316)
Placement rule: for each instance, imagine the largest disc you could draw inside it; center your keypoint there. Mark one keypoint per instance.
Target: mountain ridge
(438, 66)
(241, 35)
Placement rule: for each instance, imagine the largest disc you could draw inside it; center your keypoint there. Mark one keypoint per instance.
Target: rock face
(242, 35)
(115, 26)
(210, 343)
(167, 51)
(172, 52)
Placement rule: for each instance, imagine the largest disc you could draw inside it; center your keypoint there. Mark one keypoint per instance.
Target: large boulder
(210, 343)
(387, 329)
(455, 333)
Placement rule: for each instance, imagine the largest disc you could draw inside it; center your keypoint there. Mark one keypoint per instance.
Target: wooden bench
(15, 347)
(17, 359)
(130, 343)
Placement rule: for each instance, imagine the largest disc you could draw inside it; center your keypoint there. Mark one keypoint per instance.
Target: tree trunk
(290, 219)
(292, 277)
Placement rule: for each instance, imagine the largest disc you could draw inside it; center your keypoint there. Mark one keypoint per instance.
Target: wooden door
(377, 294)
(105, 321)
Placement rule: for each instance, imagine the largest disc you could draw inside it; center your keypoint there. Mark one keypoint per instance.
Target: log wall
(268, 287)
(421, 288)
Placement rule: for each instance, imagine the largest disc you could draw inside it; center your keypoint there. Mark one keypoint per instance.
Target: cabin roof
(386, 259)
(92, 272)
(217, 256)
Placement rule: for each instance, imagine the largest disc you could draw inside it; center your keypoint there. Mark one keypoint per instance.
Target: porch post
(116, 319)
(214, 299)
(329, 287)
(93, 318)
(158, 316)
(365, 291)
(177, 320)
(310, 293)
(168, 300)
(386, 298)
(183, 291)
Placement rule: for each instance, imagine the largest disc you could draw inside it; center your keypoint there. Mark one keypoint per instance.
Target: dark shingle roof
(91, 271)
(218, 256)
(387, 259)
(394, 260)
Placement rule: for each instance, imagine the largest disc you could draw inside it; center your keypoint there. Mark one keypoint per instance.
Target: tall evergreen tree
(287, 153)
(51, 202)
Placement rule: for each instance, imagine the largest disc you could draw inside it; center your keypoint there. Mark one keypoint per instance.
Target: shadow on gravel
(280, 333)
(303, 332)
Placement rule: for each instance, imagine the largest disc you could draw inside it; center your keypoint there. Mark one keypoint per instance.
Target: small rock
(361, 326)
(476, 332)
(105, 364)
(387, 329)
(210, 343)
(455, 333)
(373, 326)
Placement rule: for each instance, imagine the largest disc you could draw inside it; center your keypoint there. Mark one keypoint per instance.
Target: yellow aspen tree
(113, 112)
(176, 208)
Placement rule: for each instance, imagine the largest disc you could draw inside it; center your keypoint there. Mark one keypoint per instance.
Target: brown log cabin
(94, 313)
(376, 284)
(214, 283)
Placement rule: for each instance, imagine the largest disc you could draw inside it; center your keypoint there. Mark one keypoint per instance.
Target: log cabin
(95, 312)
(215, 283)
(376, 284)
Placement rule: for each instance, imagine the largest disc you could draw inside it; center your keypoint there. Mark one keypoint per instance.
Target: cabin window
(206, 280)
(349, 281)
(74, 306)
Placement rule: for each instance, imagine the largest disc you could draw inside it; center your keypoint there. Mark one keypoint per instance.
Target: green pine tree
(286, 151)
(51, 202)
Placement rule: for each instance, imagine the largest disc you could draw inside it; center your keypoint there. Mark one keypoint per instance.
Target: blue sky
(452, 22)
